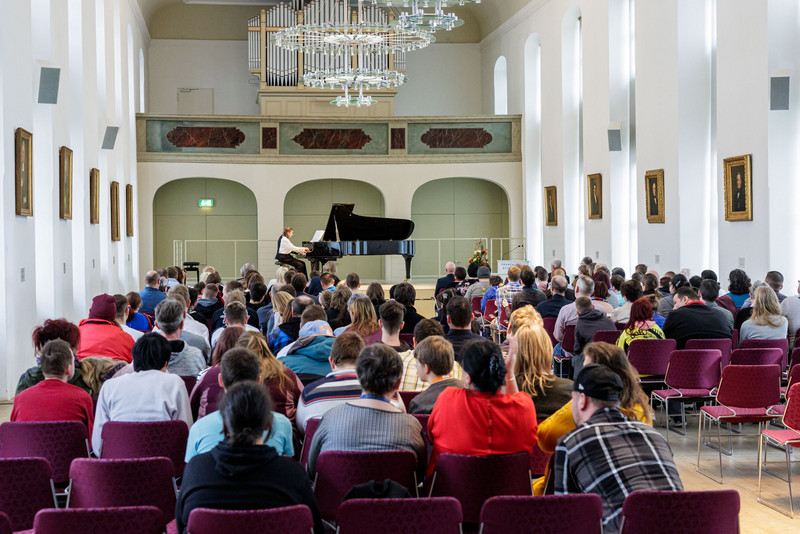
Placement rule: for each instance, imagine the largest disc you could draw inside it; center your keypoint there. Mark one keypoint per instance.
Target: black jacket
(695, 321)
(551, 306)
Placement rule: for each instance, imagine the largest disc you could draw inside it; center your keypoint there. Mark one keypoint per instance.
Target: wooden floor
(740, 473)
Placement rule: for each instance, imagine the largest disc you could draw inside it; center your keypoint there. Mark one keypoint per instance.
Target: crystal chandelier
(418, 18)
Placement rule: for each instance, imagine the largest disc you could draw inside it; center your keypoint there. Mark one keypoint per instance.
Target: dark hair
(236, 313)
(352, 281)
(299, 282)
(437, 353)
(233, 285)
(379, 367)
(708, 274)
(192, 295)
(632, 291)
(709, 290)
(151, 351)
(121, 306)
(695, 281)
(618, 271)
(299, 305)
(314, 312)
(617, 281)
(601, 276)
(641, 310)
(346, 348)
(686, 291)
(678, 281)
(212, 290)
(583, 305)
(426, 328)
(326, 279)
(226, 341)
(55, 357)
(258, 291)
(601, 290)
(56, 329)
(213, 278)
(739, 282)
(405, 294)
(375, 293)
(495, 280)
(637, 276)
(615, 359)
(246, 411)
(527, 276)
(287, 276)
(541, 273)
(460, 273)
(239, 364)
(641, 268)
(774, 279)
(459, 311)
(287, 288)
(392, 314)
(135, 302)
(483, 362)
(172, 272)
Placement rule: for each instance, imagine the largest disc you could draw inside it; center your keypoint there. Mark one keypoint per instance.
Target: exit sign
(206, 203)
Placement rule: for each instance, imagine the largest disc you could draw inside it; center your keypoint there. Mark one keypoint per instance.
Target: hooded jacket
(308, 355)
(243, 478)
(100, 337)
(184, 359)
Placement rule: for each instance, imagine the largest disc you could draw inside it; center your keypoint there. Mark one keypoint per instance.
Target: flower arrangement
(479, 255)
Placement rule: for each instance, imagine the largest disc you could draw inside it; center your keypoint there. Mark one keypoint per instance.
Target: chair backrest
(795, 358)
(408, 338)
(794, 378)
(620, 326)
(750, 386)
(606, 336)
(59, 442)
(651, 356)
(122, 439)
(311, 428)
(539, 461)
(25, 488)
(490, 311)
(408, 396)
(502, 319)
(725, 346)
(791, 416)
(565, 514)
(550, 327)
(694, 368)
(295, 519)
(735, 337)
(5, 524)
(423, 421)
(687, 512)
(338, 471)
(114, 520)
(189, 382)
(474, 479)
(782, 344)
(434, 515)
(760, 356)
(123, 482)
(476, 306)
(568, 345)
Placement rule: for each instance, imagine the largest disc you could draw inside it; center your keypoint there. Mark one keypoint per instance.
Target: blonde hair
(207, 271)
(280, 302)
(766, 309)
(271, 368)
(534, 350)
(364, 320)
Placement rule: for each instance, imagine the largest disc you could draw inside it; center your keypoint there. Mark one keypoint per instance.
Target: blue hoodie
(309, 355)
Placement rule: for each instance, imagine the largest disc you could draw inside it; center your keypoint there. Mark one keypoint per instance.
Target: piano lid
(344, 225)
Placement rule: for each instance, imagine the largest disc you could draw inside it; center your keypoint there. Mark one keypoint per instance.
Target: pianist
(285, 247)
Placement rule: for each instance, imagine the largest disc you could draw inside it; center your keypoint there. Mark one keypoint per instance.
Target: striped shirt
(322, 395)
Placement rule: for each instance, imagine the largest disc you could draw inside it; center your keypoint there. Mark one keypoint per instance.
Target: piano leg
(408, 267)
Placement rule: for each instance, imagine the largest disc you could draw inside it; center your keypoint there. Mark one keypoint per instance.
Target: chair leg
(763, 442)
(700, 435)
(789, 479)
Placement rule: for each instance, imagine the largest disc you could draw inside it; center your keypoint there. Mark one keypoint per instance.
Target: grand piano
(348, 234)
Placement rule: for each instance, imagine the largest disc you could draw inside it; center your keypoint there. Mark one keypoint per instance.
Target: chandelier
(437, 19)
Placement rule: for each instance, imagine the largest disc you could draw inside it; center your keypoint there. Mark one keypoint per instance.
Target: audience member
(282, 311)
(568, 315)
(363, 320)
(233, 291)
(338, 314)
(552, 306)
(790, 308)
(774, 280)
(600, 297)
(530, 294)
(235, 315)
(375, 295)
(411, 380)
(134, 319)
(709, 292)
(184, 360)
(666, 303)
(744, 313)
(738, 291)
(100, 333)
(289, 329)
(391, 321)
(406, 295)
(631, 291)
(691, 319)
(461, 283)
(309, 356)
(434, 361)
(122, 309)
(491, 293)
(640, 325)
(209, 303)
(207, 392)
(506, 292)
(353, 283)
(615, 291)
(150, 294)
(447, 280)
(479, 288)
(459, 319)
(198, 341)
(590, 321)
(766, 321)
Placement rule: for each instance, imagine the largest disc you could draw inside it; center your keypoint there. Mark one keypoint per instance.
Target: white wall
(219, 65)
(66, 263)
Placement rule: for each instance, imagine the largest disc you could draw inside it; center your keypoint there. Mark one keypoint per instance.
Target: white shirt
(135, 334)
(287, 246)
(193, 326)
(143, 396)
(218, 332)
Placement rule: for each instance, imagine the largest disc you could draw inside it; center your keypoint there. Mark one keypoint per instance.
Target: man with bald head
(151, 296)
(447, 280)
(553, 305)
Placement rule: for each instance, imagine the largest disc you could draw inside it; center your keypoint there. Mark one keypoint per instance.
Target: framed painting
(594, 189)
(129, 210)
(94, 196)
(114, 211)
(738, 188)
(65, 183)
(23, 176)
(654, 195)
(550, 206)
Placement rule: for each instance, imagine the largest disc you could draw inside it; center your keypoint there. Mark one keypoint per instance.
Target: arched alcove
(307, 206)
(501, 86)
(456, 211)
(224, 235)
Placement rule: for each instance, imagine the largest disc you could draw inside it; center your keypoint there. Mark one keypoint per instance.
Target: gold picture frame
(594, 195)
(550, 206)
(654, 195)
(94, 196)
(129, 210)
(114, 211)
(65, 183)
(23, 172)
(738, 188)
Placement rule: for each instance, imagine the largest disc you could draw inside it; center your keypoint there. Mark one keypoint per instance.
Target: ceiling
(226, 19)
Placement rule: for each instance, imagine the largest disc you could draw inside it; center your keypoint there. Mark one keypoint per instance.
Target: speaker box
(48, 85)
(110, 137)
(779, 90)
(615, 137)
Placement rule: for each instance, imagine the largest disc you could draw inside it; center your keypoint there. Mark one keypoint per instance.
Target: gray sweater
(185, 360)
(751, 330)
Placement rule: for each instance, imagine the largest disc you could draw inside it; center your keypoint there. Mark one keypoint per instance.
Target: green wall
(306, 209)
(456, 208)
(234, 216)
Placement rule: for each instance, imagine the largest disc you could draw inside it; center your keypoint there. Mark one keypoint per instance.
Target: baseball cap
(316, 328)
(598, 382)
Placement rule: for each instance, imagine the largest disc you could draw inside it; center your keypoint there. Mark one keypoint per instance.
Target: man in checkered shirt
(609, 454)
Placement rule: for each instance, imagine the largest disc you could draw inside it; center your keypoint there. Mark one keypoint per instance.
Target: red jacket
(103, 338)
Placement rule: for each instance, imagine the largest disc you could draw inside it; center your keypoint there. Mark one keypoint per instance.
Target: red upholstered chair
(423, 421)
(146, 440)
(5, 524)
(690, 377)
(295, 519)
(565, 514)
(119, 520)
(123, 482)
(687, 512)
(795, 358)
(606, 336)
(735, 336)
(550, 327)
(311, 428)
(435, 515)
(746, 394)
(408, 396)
(761, 356)
(408, 338)
(784, 439)
(620, 326)
(26, 487)
(725, 346)
(189, 382)
(59, 442)
(476, 308)
(568, 345)
(338, 471)
(782, 344)
(490, 311)
(474, 479)
(539, 460)
(650, 357)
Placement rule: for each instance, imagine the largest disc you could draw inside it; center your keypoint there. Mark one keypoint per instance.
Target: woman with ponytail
(242, 473)
(462, 418)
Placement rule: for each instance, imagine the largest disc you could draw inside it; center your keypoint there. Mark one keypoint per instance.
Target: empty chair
(490, 311)
(25, 488)
(725, 346)
(565, 514)
(407, 397)
(687, 512)
(568, 345)
(476, 308)
(338, 471)
(146, 440)
(114, 520)
(606, 336)
(760, 356)
(550, 327)
(651, 357)
(123, 482)
(59, 442)
(782, 344)
(295, 519)
(434, 515)
(746, 394)
(474, 479)
(785, 439)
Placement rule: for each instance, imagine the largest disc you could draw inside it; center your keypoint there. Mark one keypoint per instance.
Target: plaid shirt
(410, 380)
(508, 291)
(612, 456)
